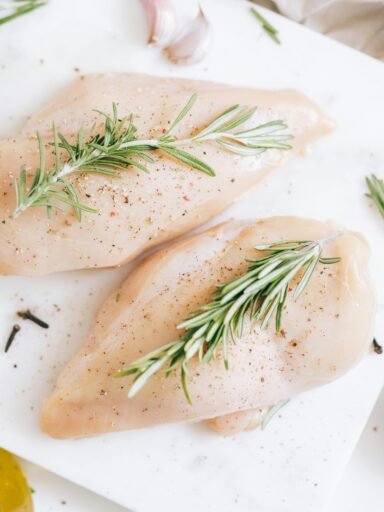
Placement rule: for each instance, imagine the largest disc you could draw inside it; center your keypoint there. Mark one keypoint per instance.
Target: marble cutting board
(294, 465)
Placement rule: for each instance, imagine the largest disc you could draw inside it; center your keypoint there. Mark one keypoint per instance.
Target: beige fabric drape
(358, 23)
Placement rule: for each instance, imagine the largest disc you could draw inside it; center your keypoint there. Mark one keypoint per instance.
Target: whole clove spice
(27, 315)
(15, 330)
(377, 347)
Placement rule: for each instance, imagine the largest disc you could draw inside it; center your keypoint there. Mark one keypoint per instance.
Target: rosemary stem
(67, 169)
(157, 143)
(116, 148)
(331, 238)
(153, 143)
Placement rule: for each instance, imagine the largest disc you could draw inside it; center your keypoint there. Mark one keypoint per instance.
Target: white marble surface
(361, 487)
(296, 463)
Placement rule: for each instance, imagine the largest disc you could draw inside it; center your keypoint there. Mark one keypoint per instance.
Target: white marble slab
(361, 484)
(295, 464)
(52, 493)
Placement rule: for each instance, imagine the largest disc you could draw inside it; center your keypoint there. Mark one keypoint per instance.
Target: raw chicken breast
(325, 332)
(140, 210)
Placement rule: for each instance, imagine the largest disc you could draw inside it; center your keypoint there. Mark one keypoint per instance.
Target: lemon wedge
(15, 494)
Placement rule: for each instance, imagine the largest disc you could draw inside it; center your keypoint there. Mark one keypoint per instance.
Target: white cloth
(358, 23)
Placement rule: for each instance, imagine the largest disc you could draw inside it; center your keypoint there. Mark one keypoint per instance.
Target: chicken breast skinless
(139, 210)
(324, 333)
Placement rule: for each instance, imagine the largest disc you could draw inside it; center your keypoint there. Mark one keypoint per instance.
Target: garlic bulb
(162, 21)
(193, 43)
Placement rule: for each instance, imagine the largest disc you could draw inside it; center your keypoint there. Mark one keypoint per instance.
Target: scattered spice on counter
(27, 315)
(15, 330)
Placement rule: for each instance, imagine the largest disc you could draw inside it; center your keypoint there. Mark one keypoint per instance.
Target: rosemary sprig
(16, 8)
(260, 293)
(271, 412)
(376, 192)
(117, 148)
(266, 26)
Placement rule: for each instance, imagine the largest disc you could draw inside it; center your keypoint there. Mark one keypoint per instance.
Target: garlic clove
(162, 21)
(194, 42)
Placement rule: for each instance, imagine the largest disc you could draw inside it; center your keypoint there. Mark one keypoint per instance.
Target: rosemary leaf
(266, 26)
(376, 192)
(17, 8)
(258, 294)
(117, 148)
(271, 412)
(183, 113)
(188, 159)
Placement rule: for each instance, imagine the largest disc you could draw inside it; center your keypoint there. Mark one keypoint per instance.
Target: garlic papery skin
(162, 21)
(193, 43)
